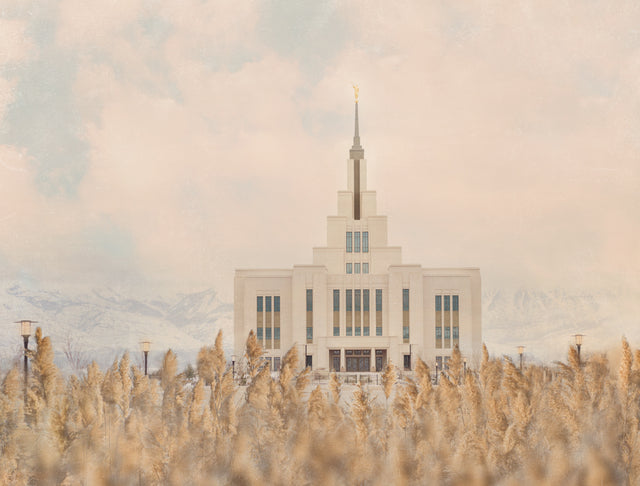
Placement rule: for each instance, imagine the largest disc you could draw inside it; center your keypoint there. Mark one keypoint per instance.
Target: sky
(157, 146)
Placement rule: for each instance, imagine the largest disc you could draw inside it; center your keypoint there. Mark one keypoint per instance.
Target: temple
(357, 306)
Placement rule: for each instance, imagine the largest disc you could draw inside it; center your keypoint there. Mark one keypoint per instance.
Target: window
(349, 297)
(365, 309)
(308, 362)
(276, 303)
(260, 304)
(405, 315)
(438, 303)
(276, 364)
(309, 315)
(259, 334)
(276, 333)
(378, 312)
(267, 304)
(407, 362)
(349, 236)
(365, 241)
(447, 332)
(455, 333)
(365, 268)
(455, 302)
(268, 333)
(356, 268)
(357, 304)
(349, 269)
(309, 300)
(447, 299)
(356, 242)
(438, 333)
(336, 312)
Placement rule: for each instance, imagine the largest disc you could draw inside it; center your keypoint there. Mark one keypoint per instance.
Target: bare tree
(76, 356)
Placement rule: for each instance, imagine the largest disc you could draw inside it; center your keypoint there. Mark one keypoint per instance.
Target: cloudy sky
(160, 145)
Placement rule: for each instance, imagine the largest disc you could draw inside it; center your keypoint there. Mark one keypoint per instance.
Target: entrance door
(358, 360)
(381, 359)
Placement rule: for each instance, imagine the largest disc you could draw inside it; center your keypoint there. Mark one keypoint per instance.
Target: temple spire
(356, 152)
(356, 133)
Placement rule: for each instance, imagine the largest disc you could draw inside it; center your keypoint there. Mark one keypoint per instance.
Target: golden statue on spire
(356, 91)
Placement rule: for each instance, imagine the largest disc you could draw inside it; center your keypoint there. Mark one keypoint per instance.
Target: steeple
(356, 152)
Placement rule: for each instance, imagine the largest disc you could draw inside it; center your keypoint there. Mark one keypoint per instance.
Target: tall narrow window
(349, 298)
(356, 314)
(349, 240)
(267, 326)
(455, 320)
(447, 321)
(365, 241)
(260, 320)
(309, 315)
(365, 267)
(405, 315)
(378, 312)
(365, 312)
(438, 321)
(349, 268)
(356, 268)
(276, 322)
(336, 312)
(356, 242)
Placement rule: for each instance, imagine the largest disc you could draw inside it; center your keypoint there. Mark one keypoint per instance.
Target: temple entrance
(381, 359)
(358, 360)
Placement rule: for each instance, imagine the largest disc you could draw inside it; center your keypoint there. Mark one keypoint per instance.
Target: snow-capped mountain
(102, 324)
(544, 321)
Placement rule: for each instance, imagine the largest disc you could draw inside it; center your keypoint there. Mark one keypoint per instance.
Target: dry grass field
(573, 423)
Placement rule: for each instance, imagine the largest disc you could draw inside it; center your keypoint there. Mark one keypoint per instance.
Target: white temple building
(357, 305)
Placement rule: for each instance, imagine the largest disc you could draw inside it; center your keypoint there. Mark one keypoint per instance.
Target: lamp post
(578, 338)
(464, 364)
(233, 367)
(25, 331)
(520, 352)
(146, 346)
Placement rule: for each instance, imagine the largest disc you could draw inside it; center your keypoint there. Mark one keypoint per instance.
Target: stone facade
(357, 306)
